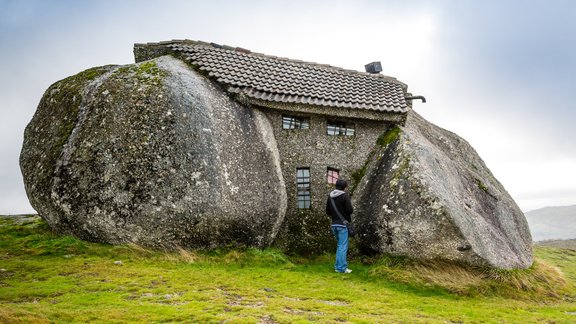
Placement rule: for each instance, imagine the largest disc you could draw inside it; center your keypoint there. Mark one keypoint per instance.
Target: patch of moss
(358, 175)
(390, 136)
(92, 73)
(383, 140)
(481, 185)
(64, 133)
(146, 73)
(148, 67)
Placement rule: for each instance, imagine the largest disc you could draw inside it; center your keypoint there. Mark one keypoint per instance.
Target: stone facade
(306, 230)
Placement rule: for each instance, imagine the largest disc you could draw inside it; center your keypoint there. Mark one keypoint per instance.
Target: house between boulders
(204, 146)
(326, 122)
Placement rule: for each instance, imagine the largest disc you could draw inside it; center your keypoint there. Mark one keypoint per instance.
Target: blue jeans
(341, 234)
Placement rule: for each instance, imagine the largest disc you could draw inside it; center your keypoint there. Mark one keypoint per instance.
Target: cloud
(498, 76)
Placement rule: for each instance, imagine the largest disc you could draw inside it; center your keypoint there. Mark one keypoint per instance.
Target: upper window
(332, 175)
(291, 122)
(340, 128)
(303, 184)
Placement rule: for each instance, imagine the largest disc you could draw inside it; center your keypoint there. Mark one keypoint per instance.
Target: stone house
(199, 145)
(326, 121)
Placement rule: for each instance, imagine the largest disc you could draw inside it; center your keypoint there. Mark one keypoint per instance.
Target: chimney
(374, 67)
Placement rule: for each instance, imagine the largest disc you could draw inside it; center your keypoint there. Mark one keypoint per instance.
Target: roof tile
(282, 80)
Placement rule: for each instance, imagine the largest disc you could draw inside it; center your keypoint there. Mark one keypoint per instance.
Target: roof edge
(394, 117)
(146, 51)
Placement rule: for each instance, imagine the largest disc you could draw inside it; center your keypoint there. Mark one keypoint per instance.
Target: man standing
(340, 208)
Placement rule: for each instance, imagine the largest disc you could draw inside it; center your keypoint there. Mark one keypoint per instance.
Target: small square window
(340, 128)
(303, 187)
(332, 175)
(291, 122)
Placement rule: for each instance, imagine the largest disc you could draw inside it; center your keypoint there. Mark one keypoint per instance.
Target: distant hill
(563, 244)
(552, 223)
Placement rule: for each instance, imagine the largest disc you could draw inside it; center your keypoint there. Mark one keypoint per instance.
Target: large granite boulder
(153, 154)
(427, 194)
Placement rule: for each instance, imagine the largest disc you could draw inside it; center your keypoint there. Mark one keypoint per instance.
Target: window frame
(295, 122)
(303, 188)
(340, 128)
(330, 175)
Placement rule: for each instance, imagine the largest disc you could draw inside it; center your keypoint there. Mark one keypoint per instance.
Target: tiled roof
(280, 80)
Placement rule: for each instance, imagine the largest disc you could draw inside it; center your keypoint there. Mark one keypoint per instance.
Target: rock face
(427, 194)
(153, 154)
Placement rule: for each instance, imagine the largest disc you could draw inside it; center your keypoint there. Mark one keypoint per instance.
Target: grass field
(45, 278)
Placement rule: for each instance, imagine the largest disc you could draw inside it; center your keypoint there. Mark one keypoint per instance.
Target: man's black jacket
(344, 205)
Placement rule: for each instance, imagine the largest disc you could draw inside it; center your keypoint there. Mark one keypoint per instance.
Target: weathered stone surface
(427, 194)
(158, 155)
(153, 154)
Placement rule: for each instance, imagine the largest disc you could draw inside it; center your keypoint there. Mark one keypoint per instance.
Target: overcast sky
(498, 73)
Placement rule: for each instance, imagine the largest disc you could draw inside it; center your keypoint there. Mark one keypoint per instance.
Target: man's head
(341, 184)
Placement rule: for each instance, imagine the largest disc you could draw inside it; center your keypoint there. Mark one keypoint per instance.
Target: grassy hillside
(45, 278)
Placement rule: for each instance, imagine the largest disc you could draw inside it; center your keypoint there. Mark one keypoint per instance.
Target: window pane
(331, 130)
(303, 187)
(339, 128)
(332, 175)
(290, 122)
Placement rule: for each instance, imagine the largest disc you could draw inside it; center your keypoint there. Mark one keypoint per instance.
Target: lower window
(303, 187)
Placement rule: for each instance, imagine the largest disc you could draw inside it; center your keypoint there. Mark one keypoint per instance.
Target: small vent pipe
(416, 97)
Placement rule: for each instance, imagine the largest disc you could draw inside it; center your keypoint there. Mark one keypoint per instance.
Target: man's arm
(348, 206)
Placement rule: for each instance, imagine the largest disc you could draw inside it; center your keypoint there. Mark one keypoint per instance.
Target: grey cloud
(511, 61)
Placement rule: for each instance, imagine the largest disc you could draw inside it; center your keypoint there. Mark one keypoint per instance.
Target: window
(303, 184)
(340, 128)
(291, 122)
(332, 175)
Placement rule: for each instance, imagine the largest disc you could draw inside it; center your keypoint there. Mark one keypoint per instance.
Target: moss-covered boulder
(427, 194)
(152, 154)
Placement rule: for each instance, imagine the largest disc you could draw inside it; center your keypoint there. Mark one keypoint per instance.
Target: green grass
(46, 278)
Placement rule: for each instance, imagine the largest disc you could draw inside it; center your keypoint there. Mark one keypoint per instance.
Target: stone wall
(307, 230)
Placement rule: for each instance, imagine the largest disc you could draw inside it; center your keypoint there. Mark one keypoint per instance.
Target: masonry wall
(307, 231)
